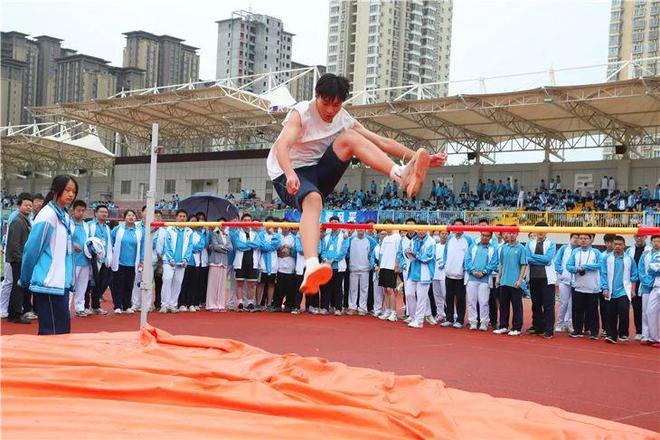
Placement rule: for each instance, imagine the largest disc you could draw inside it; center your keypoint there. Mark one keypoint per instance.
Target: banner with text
(291, 215)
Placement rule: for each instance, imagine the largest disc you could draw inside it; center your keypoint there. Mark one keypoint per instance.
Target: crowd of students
(503, 195)
(442, 277)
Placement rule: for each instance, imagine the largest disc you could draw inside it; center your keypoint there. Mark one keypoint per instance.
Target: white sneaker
(314, 310)
(392, 317)
(163, 310)
(192, 309)
(30, 315)
(4, 315)
(408, 320)
(89, 311)
(323, 312)
(514, 333)
(431, 320)
(559, 329)
(473, 326)
(414, 173)
(117, 311)
(457, 325)
(484, 327)
(183, 309)
(315, 277)
(446, 324)
(173, 309)
(129, 311)
(638, 337)
(383, 316)
(338, 313)
(416, 324)
(362, 312)
(137, 309)
(501, 331)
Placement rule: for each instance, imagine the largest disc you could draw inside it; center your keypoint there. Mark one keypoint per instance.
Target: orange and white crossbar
(431, 228)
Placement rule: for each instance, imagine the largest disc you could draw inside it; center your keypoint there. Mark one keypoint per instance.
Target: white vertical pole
(148, 268)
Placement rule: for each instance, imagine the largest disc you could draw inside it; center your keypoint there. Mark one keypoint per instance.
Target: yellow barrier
(558, 218)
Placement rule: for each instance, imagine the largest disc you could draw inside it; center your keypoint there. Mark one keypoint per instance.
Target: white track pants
(358, 280)
(172, 279)
(477, 296)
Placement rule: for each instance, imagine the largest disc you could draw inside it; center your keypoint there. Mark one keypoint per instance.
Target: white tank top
(314, 139)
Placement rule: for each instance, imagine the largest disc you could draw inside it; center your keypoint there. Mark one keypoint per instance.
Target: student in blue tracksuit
(639, 248)
(268, 241)
(7, 282)
(246, 264)
(618, 280)
(480, 262)
(333, 248)
(585, 265)
(80, 231)
(421, 255)
(542, 282)
(454, 259)
(204, 239)
(564, 321)
(127, 257)
(191, 279)
(177, 251)
(47, 268)
(510, 276)
(100, 229)
(649, 290)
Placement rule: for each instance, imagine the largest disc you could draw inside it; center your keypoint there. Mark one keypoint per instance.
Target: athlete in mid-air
(312, 152)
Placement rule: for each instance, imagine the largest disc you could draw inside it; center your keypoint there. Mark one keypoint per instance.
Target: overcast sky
(489, 37)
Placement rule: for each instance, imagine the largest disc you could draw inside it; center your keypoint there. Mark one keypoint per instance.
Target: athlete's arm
(282, 145)
(394, 148)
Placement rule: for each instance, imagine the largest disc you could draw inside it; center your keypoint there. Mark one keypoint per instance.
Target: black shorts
(321, 178)
(387, 278)
(267, 278)
(247, 272)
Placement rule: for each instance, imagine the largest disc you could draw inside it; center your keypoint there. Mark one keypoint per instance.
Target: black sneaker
(576, 335)
(250, 308)
(548, 335)
(532, 331)
(240, 307)
(21, 320)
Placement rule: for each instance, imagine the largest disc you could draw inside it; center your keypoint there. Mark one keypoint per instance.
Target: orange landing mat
(155, 385)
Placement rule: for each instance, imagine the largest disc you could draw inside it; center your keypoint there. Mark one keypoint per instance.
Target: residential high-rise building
(129, 78)
(303, 88)
(381, 44)
(11, 88)
(83, 78)
(50, 49)
(633, 37)
(21, 56)
(252, 44)
(164, 58)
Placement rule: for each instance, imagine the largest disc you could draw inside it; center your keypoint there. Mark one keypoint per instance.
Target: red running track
(620, 383)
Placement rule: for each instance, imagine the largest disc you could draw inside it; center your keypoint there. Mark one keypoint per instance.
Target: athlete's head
(331, 92)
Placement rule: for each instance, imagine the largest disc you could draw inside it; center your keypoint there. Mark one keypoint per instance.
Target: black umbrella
(210, 204)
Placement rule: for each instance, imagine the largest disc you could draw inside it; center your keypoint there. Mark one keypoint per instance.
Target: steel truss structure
(49, 147)
(227, 115)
